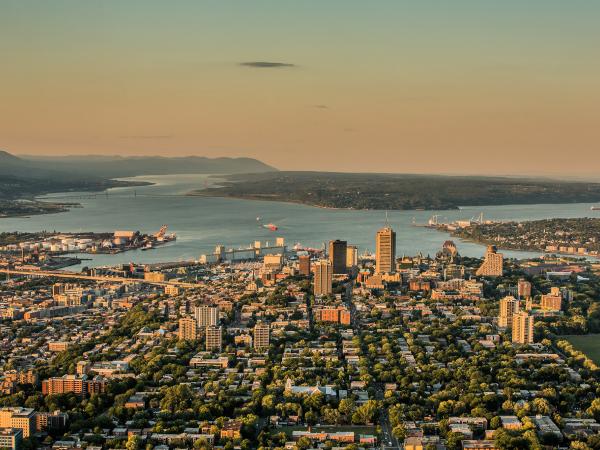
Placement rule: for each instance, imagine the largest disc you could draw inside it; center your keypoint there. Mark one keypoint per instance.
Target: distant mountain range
(29, 176)
(119, 166)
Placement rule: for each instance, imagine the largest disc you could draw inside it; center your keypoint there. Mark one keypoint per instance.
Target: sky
(478, 87)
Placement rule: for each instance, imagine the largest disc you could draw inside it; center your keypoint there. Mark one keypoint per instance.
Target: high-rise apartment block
(188, 329)
(337, 256)
(522, 328)
(492, 264)
(17, 417)
(551, 302)
(261, 336)
(304, 265)
(323, 277)
(509, 306)
(523, 289)
(385, 251)
(206, 315)
(214, 339)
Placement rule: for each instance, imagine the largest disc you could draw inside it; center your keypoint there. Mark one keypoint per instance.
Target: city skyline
(507, 88)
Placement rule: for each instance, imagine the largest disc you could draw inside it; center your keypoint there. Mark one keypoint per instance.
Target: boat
(595, 208)
(148, 246)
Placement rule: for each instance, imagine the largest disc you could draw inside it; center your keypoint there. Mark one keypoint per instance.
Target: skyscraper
(509, 306)
(206, 315)
(261, 336)
(522, 328)
(492, 264)
(351, 256)
(304, 265)
(188, 328)
(323, 277)
(385, 250)
(337, 255)
(214, 338)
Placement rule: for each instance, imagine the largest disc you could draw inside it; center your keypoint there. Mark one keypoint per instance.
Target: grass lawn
(588, 344)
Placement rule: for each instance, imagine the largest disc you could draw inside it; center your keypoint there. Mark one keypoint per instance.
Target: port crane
(478, 219)
(433, 221)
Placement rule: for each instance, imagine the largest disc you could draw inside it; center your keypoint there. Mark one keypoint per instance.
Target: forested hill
(118, 166)
(401, 191)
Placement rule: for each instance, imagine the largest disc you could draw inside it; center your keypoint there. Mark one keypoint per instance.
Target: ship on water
(595, 208)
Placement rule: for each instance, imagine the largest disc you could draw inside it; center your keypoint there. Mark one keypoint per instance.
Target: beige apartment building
(522, 328)
(509, 306)
(492, 265)
(323, 277)
(188, 329)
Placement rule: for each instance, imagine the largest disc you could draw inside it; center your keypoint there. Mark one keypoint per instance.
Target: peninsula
(399, 191)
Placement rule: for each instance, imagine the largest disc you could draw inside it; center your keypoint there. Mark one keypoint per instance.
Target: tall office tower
(214, 339)
(522, 328)
(385, 250)
(304, 265)
(323, 277)
(261, 336)
(337, 255)
(206, 315)
(523, 289)
(351, 256)
(188, 329)
(509, 306)
(492, 264)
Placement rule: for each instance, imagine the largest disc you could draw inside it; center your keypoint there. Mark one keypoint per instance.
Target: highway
(80, 276)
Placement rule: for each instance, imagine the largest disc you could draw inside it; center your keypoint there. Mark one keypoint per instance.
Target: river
(201, 222)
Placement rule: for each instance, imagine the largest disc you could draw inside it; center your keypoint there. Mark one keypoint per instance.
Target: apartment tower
(492, 264)
(509, 306)
(323, 277)
(214, 338)
(522, 328)
(206, 315)
(261, 336)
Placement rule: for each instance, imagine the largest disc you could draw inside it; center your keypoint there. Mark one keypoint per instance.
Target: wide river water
(200, 222)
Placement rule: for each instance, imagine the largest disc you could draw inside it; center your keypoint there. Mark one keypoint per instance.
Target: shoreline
(61, 207)
(517, 249)
(199, 193)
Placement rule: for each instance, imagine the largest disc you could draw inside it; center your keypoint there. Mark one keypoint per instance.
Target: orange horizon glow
(469, 88)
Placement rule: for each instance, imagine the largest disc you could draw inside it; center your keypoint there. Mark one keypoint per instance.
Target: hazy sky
(396, 86)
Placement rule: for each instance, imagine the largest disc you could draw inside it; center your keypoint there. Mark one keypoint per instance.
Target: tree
(399, 432)
(454, 440)
(133, 442)
(365, 413)
(303, 443)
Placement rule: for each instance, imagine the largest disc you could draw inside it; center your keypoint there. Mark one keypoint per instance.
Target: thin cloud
(148, 136)
(266, 64)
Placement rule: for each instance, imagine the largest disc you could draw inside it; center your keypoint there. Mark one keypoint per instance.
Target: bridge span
(80, 276)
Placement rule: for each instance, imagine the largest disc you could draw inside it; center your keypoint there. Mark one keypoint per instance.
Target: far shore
(206, 193)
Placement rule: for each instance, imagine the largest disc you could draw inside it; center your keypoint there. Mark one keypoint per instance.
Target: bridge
(80, 276)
